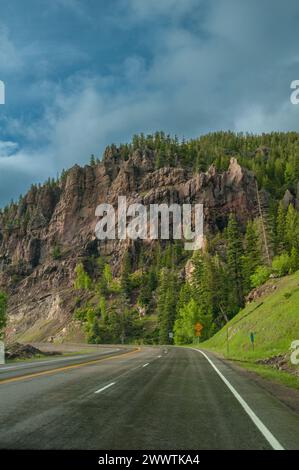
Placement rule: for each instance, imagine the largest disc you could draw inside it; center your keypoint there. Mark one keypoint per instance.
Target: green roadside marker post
(227, 340)
(252, 340)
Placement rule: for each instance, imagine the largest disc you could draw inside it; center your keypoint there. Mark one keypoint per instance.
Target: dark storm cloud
(80, 75)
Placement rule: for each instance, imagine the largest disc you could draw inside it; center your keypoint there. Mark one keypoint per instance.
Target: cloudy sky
(81, 74)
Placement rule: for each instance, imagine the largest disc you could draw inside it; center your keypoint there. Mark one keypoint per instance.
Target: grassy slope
(274, 318)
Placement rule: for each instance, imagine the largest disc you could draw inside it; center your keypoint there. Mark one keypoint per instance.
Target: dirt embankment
(26, 351)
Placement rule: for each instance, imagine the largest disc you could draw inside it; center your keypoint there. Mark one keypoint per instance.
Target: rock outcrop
(43, 237)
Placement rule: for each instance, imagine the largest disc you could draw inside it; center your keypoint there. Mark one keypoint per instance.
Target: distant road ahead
(146, 398)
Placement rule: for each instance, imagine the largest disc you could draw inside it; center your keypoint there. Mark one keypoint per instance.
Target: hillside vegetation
(274, 320)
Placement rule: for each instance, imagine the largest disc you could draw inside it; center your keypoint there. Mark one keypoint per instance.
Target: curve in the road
(64, 368)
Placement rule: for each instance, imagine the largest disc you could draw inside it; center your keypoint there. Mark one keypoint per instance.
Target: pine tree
(102, 306)
(185, 295)
(294, 260)
(291, 228)
(141, 259)
(221, 291)
(148, 285)
(296, 165)
(82, 280)
(3, 308)
(92, 160)
(107, 275)
(125, 275)
(158, 257)
(234, 262)
(280, 229)
(197, 276)
(207, 285)
(252, 257)
(166, 304)
(168, 256)
(94, 332)
(161, 305)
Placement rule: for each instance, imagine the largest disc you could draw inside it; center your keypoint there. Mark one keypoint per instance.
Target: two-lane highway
(140, 398)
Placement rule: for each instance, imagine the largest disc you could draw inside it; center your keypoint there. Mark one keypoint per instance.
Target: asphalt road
(150, 398)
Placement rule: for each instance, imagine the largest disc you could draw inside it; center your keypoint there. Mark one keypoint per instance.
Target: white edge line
(144, 365)
(262, 428)
(104, 388)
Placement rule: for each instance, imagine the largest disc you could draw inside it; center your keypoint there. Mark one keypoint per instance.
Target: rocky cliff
(52, 227)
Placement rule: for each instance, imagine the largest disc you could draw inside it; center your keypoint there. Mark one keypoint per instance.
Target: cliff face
(43, 237)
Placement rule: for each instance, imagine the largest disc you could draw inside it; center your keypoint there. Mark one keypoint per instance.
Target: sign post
(252, 340)
(227, 340)
(2, 353)
(198, 329)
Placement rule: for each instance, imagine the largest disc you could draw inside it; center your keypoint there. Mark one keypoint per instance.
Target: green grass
(275, 375)
(274, 318)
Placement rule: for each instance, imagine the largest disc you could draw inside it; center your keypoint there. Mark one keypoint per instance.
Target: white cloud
(10, 59)
(258, 118)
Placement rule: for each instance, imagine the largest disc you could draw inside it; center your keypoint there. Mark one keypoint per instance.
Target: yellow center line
(60, 369)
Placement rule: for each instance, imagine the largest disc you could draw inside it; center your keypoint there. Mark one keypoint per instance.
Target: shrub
(261, 275)
(85, 314)
(56, 252)
(82, 280)
(281, 264)
(136, 279)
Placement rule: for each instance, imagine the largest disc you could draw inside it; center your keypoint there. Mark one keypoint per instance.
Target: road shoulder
(288, 396)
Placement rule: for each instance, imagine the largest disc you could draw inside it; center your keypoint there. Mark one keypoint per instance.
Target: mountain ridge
(61, 217)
